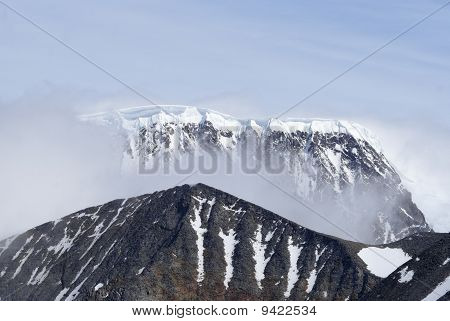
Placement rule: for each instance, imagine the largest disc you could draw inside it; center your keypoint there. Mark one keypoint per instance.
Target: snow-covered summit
(324, 161)
(181, 114)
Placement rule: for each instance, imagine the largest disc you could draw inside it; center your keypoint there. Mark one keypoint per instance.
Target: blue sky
(260, 56)
(249, 59)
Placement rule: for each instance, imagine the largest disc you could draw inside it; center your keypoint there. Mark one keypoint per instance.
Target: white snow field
(383, 261)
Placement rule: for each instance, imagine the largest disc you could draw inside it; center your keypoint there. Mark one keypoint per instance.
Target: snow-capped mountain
(337, 166)
(196, 242)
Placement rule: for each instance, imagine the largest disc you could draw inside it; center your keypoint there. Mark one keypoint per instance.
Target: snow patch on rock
(311, 281)
(259, 250)
(383, 261)
(196, 223)
(229, 244)
(294, 254)
(405, 275)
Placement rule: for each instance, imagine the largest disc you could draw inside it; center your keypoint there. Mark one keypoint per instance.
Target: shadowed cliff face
(186, 243)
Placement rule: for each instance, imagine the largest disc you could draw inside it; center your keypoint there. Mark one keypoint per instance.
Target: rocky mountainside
(186, 243)
(337, 166)
(191, 243)
(425, 277)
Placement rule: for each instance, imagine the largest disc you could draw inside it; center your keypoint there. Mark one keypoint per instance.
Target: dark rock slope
(186, 243)
(425, 277)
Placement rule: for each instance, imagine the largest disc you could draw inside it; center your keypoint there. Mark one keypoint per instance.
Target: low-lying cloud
(52, 164)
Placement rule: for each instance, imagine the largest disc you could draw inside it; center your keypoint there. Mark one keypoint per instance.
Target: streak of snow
(211, 204)
(61, 294)
(259, 250)
(40, 277)
(311, 281)
(32, 275)
(440, 290)
(104, 256)
(80, 215)
(21, 249)
(135, 206)
(98, 232)
(65, 244)
(196, 223)
(81, 271)
(269, 236)
(229, 244)
(94, 216)
(75, 292)
(22, 262)
(406, 213)
(294, 254)
(231, 208)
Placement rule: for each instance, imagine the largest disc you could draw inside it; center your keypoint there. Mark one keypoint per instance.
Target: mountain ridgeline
(199, 243)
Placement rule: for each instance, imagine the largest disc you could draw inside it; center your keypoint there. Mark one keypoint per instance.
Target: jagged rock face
(425, 277)
(186, 243)
(337, 166)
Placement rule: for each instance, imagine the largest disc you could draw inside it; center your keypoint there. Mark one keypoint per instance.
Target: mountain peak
(185, 243)
(183, 114)
(333, 162)
(195, 242)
